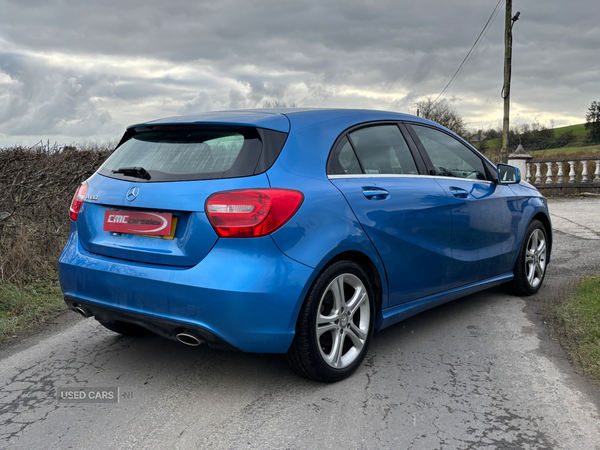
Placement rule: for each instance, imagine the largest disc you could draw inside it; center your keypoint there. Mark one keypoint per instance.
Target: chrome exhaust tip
(80, 310)
(189, 339)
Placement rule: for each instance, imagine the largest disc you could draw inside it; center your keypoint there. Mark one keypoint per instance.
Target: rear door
(404, 213)
(484, 214)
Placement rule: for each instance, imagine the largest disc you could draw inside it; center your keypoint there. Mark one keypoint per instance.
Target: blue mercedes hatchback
(295, 231)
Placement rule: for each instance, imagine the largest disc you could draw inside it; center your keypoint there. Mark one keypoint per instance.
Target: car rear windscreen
(196, 154)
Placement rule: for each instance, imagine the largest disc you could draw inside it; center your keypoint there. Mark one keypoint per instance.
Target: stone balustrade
(564, 171)
(559, 176)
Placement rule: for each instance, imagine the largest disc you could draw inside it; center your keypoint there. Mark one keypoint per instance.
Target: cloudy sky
(78, 70)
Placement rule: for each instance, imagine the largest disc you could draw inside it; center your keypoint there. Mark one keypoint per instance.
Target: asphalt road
(482, 372)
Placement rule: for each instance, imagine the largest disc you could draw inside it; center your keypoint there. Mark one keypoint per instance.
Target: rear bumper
(244, 294)
(163, 327)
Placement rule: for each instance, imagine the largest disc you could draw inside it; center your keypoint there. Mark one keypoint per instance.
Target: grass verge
(23, 308)
(578, 327)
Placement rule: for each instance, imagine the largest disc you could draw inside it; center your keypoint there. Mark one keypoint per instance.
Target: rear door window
(383, 150)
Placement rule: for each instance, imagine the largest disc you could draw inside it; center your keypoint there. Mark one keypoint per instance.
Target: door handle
(375, 193)
(459, 192)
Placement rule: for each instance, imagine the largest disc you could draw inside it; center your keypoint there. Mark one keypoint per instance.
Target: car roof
(282, 119)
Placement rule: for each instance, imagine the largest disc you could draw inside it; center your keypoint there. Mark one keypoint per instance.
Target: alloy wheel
(343, 321)
(535, 258)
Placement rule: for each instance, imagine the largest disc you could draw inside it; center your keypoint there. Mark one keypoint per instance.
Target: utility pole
(508, 24)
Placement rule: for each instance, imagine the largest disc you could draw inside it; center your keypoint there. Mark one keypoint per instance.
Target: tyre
(126, 329)
(530, 268)
(335, 324)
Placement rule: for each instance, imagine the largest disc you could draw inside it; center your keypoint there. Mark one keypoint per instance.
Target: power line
(483, 32)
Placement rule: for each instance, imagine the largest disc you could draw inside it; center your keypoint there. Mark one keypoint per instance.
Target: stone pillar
(519, 159)
(584, 172)
(549, 173)
(572, 172)
(538, 173)
(561, 178)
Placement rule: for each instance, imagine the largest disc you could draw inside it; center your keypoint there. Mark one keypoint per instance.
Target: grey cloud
(229, 29)
(44, 101)
(321, 92)
(204, 101)
(301, 52)
(405, 103)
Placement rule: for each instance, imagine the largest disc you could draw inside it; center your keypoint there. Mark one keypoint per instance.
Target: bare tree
(278, 104)
(443, 113)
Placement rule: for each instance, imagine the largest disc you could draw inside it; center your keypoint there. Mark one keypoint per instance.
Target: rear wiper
(138, 172)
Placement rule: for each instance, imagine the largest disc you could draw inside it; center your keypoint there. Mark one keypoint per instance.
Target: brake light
(78, 199)
(251, 212)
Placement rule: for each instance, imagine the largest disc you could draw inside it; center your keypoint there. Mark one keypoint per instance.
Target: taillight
(78, 199)
(251, 212)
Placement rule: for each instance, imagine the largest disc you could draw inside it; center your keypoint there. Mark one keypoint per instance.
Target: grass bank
(22, 308)
(568, 152)
(577, 322)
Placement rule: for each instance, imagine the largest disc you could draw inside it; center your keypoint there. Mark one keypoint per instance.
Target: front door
(484, 214)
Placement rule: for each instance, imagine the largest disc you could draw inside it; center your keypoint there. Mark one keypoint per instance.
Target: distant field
(574, 152)
(574, 149)
(494, 143)
(578, 130)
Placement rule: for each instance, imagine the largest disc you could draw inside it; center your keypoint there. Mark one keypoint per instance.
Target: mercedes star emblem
(133, 193)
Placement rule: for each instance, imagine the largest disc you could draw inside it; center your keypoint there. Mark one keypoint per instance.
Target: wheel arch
(368, 266)
(545, 220)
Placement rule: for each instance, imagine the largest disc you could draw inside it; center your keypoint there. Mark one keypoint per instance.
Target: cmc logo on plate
(158, 224)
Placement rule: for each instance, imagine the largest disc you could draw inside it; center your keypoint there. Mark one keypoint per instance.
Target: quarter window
(343, 160)
(449, 157)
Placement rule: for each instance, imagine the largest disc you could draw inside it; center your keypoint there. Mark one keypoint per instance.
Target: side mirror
(508, 174)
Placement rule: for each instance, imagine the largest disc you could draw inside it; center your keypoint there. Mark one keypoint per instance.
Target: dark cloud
(75, 66)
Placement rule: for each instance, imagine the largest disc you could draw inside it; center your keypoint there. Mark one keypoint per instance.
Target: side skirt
(391, 316)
